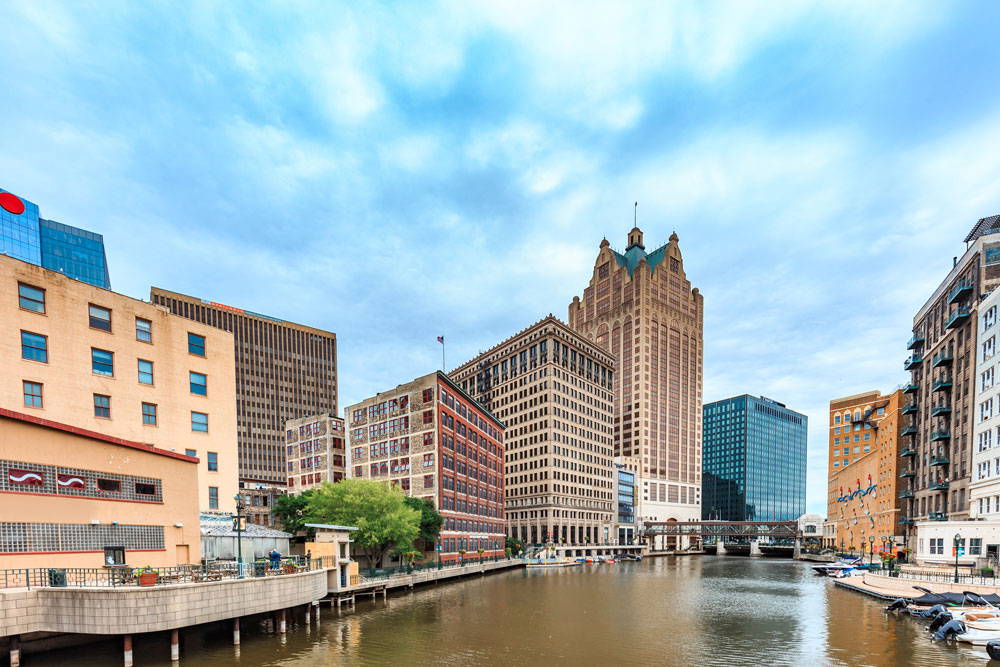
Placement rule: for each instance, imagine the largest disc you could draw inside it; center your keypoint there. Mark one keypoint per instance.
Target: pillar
(15, 651)
(319, 607)
(309, 612)
(175, 645)
(797, 552)
(282, 626)
(755, 547)
(236, 631)
(127, 650)
(720, 547)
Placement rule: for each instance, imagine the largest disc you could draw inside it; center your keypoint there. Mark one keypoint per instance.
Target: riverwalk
(886, 587)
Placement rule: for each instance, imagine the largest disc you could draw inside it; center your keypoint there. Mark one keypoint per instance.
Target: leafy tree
(379, 512)
(514, 545)
(291, 511)
(430, 519)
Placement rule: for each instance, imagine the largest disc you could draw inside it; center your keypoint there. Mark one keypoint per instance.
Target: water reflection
(684, 611)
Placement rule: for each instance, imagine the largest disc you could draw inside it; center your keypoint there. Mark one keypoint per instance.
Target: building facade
(432, 440)
(867, 477)
(316, 450)
(72, 497)
(942, 384)
(640, 306)
(552, 387)
(82, 355)
(625, 526)
(754, 458)
(984, 488)
(283, 371)
(71, 251)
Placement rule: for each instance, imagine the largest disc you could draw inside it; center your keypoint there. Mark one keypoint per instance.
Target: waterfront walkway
(891, 587)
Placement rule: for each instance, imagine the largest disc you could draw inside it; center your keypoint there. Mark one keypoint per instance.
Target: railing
(957, 316)
(959, 291)
(382, 573)
(914, 360)
(914, 341)
(124, 575)
(947, 577)
(911, 388)
(942, 359)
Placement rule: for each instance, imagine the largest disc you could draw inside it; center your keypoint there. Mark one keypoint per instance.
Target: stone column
(127, 650)
(755, 547)
(720, 547)
(797, 552)
(175, 645)
(236, 631)
(282, 626)
(15, 651)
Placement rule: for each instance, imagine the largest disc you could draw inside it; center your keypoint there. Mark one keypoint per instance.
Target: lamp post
(958, 538)
(871, 550)
(239, 534)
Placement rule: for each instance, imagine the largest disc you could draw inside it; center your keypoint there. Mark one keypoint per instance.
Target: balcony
(942, 359)
(913, 362)
(906, 521)
(911, 388)
(943, 434)
(944, 384)
(940, 460)
(908, 452)
(906, 474)
(940, 410)
(959, 292)
(905, 494)
(916, 341)
(957, 318)
(910, 408)
(937, 516)
(941, 485)
(909, 430)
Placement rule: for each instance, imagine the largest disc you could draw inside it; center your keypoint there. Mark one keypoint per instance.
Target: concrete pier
(175, 645)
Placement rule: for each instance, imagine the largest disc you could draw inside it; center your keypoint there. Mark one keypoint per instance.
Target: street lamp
(239, 533)
(871, 550)
(958, 539)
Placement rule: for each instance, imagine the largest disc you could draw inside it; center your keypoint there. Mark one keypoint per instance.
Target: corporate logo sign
(11, 203)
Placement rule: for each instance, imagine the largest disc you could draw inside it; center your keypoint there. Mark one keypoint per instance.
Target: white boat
(551, 562)
(834, 569)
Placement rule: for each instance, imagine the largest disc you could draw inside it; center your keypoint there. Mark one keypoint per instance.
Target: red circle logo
(11, 203)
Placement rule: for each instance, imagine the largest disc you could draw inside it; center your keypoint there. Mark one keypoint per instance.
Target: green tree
(379, 513)
(515, 545)
(430, 519)
(291, 511)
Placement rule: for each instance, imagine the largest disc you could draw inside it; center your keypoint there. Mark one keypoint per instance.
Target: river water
(693, 610)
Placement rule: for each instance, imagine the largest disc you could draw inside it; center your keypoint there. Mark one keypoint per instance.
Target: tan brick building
(283, 371)
(866, 472)
(316, 451)
(641, 307)
(94, 359)
(432, 440)
(552, 387)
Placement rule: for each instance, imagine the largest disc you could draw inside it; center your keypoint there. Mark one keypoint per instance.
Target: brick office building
(316, 451)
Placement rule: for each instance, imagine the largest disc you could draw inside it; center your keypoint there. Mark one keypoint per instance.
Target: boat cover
(955, 599)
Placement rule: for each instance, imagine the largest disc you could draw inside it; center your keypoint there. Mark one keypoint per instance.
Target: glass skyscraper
(753, 460)
(71, 251)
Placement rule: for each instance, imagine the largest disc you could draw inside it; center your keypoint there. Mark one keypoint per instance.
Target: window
(102, 362)
(100, 318)
(196, 344)
(114, 555)
(976, 543)
(109, 485)
(199, 383)
(428, 395)
(213, 497)
(144, 489)
(213, 461)
(145, 372)
(31, 298)
(102, 406)
(149, 414)
(199, 422)
(193, 453)
(836, 419)
(143, 330)
(34, 347)
(32, 394)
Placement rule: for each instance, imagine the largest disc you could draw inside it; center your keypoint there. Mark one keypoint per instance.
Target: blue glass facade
(74, 252)
(753, 460)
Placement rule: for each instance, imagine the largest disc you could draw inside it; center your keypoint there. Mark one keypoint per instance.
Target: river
(664, 611)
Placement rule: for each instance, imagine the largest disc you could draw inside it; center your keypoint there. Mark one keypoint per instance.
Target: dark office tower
(753, 461)
(71, 251)
(283, 371)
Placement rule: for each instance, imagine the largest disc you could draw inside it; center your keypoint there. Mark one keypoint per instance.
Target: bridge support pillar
(755, 547)
(175, 645)
(720, 547)
(797, 552)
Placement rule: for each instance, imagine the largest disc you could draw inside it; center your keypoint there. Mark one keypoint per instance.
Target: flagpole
(442, 357)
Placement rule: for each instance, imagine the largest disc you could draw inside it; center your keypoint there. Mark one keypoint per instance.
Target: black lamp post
(958, 538)
(239, 534)
(871, 550)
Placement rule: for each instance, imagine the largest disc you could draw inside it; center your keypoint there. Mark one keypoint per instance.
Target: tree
(514, 545)
(291, 511)
(379, 513)
(430, 519)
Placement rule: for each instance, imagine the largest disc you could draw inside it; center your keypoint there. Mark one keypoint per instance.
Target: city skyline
(817, 186)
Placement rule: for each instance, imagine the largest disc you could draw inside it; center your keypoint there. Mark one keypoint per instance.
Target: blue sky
(397, 172)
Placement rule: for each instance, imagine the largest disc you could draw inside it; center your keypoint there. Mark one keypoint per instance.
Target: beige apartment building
(316, 451)
(641, 307)
(85, 356)
(432, 440)
(552, 387)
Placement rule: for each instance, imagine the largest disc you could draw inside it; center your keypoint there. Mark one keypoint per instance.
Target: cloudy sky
(394, 173)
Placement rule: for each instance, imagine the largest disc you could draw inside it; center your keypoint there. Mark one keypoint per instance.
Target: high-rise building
(939, 431)
(283, 371)
(754, 454)
(640, 306)
(865, 472)
(984, 489)
(552, 386)
(316, 451)
(432, 440)
(81, 355)
(71, 251)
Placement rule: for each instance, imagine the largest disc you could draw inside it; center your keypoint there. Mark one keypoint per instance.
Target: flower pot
(288, 569)
(148, 578)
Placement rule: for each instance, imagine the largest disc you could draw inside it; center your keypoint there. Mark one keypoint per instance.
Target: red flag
(441, 339)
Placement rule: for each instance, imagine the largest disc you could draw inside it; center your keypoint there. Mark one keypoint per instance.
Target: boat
(551, 562)
(630, 557)
(834, 569)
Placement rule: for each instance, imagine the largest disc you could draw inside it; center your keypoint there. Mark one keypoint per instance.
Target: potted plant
(147, 576)
(506, 552)
(480, 551)
(260, 567)
(288, 567)
(461, 556)
(986, 571)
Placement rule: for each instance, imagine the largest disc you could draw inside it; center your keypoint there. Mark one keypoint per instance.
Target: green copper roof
(635, 253)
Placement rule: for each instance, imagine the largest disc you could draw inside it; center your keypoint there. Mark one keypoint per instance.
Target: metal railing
(947, 577)
(404, 570)
(125, 575)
